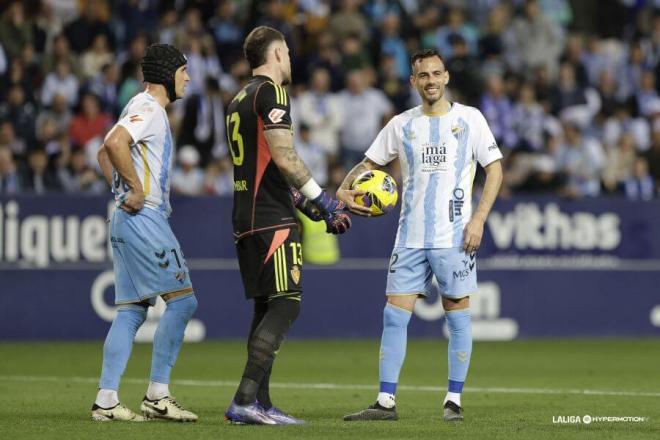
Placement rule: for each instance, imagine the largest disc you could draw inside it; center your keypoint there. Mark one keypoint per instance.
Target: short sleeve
(272, 106)
(385, 148)
(484, 145)
(138, 120)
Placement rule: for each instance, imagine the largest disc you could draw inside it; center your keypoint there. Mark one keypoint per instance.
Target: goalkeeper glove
(305, 206)
(336, 221)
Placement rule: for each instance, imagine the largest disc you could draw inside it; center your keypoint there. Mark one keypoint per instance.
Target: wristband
(311, 189)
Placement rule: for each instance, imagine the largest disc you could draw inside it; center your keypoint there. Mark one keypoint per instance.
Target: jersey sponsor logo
(456, 204)
(135, 118)
(434, 157)
(492, 146)
(276, 115)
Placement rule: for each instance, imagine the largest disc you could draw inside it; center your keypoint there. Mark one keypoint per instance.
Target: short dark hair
(257, 43)
(425, 53)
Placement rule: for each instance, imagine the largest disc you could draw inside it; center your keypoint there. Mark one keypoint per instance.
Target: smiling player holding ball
(438, 144)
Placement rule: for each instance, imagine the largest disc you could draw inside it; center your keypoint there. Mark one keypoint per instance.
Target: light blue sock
(119, 343)
(169, 336)
(459, 348)
(393, 346)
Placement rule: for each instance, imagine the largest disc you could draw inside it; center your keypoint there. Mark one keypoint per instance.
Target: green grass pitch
(514, 390)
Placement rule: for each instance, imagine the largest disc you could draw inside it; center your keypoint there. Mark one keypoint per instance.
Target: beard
(432, 99)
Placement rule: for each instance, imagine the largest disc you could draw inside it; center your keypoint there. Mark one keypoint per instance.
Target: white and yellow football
(380, 191)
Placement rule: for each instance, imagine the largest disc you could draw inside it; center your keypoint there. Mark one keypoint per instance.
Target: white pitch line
(336, 386)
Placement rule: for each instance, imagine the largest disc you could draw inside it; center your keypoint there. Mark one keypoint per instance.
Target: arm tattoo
(293, 168)
(358, 169)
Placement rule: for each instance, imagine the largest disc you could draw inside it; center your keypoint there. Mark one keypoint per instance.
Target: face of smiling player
(181, 79)
(430, 78)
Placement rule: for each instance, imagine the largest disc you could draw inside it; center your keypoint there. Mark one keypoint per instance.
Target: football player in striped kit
(438, 145)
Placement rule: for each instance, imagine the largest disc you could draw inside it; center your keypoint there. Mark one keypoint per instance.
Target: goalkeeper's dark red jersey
(262, 201)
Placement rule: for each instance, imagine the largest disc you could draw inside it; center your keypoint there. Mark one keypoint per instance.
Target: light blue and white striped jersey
(152, 151)
(438, 157)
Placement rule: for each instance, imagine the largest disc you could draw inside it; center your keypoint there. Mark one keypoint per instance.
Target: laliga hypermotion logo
(195, 331)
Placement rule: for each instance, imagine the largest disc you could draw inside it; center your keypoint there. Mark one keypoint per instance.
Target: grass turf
(46, 390)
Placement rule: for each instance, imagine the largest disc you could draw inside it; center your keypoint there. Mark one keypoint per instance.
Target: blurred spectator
(227, 32)
(365, 112)
(622, 121)
(61, 82)
(203, 122)
(89, 122)
(528, 120)
(94, 58)
(646, 97)
(322, 112)
(631, 70)
(456, 27)
(15, 30)
(92, 22)
(640, 185)
(497, 109)
(9, 178)
(20, 113)
(313, 155)
(392, 44)
(219, 177)
(349, 21)
(568, 92)
(59, 112)
(353, 54)
(137, 16)
(620, 163)
(328, 57)
(188, 177)
(37, 177)
(9, 141)
(105, 85)
(397, 90)
(464, 71)
(167, 28)
(79, 177)
(653, 157)
(534, 40)
(61, 51)
(582, 160)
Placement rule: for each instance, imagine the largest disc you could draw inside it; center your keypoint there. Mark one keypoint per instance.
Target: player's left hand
(348, 197)
(473, 232)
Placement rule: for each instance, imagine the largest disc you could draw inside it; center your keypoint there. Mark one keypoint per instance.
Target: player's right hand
(133, 202)
(348, 197)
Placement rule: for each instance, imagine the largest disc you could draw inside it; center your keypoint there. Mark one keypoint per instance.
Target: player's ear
(412, 79)
(446, 79)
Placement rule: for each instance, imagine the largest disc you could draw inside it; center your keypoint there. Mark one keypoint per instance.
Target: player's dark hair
(426, 53)
(257, 43)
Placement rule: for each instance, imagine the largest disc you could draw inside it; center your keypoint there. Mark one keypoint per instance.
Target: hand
(327, 205)
(132, 202)
(473, 232)
(305, 206)
(338, 223)
(348, 197)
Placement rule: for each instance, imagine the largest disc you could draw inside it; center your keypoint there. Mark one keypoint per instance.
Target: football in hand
(380, 191)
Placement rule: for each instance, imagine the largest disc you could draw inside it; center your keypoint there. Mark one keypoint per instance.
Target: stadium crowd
(569, 87)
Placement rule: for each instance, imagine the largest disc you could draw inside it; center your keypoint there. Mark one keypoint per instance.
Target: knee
(394, 316)
(185, 305)
(458, 321)
(133, 314)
